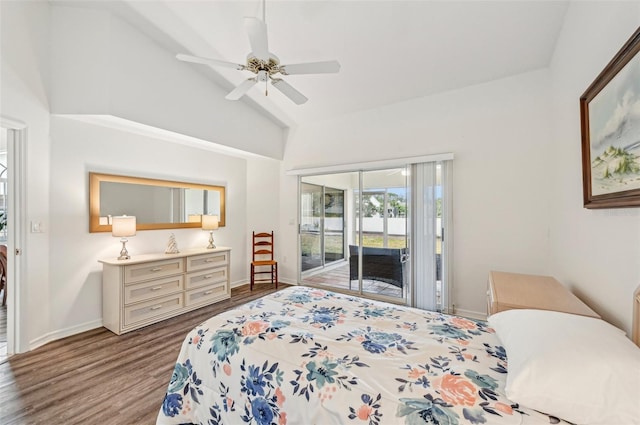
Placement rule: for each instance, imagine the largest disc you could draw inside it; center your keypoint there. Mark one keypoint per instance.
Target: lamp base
(211, 244)
(124, 254)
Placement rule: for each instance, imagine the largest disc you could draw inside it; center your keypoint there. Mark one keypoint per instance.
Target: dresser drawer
(207, 261)
(206, 277)
(153, 270)
(149, 309)
(206, 294)
(153, 289)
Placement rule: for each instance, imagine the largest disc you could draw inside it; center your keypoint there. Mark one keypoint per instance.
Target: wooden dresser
(513, 290)
(152, 287)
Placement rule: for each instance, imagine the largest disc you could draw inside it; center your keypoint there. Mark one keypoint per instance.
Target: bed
(310, 356)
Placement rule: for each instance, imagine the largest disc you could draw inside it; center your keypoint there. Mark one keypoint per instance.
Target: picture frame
(610, 128)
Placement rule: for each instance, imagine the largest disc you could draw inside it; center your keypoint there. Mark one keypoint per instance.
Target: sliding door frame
(409, 297)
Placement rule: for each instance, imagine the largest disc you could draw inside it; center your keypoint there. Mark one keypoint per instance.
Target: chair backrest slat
(260, 241)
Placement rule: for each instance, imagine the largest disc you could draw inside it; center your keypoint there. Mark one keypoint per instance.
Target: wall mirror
(157, 204)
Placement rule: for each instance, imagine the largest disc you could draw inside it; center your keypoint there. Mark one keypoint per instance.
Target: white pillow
(577, 368)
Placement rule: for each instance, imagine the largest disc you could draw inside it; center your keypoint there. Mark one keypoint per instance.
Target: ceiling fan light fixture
(265, 64)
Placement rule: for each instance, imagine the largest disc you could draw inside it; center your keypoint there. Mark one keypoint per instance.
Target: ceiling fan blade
(286, 89)
(311, 68)
(257, 32)
(239, 91)
(207, 61)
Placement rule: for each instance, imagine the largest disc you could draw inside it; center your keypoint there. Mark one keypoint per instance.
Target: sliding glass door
(321, 226)
(333, 229)
(310, 226)
(353, 232)
(379, 233)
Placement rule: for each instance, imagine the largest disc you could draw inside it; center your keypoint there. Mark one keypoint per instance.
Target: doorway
(12, 197)
(3, 243)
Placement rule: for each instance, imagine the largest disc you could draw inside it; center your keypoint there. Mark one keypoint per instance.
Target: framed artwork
(610, 124)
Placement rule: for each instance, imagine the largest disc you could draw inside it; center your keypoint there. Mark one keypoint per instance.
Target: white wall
(61, 286)
(103, 65)
(24, 96)
(595, 252)
(264, 212)
(499, 133)
(77, 148)
(517, 179)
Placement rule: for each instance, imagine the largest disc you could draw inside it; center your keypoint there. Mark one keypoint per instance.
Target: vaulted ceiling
(389, 51)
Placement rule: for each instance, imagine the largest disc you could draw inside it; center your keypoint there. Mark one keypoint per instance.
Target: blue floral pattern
(304, 355)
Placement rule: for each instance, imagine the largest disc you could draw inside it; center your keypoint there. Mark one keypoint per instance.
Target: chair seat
(264, 263)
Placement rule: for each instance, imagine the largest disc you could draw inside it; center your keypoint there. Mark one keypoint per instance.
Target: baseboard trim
(470, 314)
(239, 283)
(63, 333)
(288, 281)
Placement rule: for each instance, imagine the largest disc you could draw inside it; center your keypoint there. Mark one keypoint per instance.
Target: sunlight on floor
(338, 277)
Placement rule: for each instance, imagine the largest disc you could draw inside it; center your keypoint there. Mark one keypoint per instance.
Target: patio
(337, 276)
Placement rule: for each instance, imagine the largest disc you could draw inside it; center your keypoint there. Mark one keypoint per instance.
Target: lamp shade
(209, 222)
(123, 226)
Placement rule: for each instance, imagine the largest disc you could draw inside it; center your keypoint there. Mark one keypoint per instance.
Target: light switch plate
(37, 227)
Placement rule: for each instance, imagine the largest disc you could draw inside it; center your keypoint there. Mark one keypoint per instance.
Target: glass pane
(333, 225)
(384, 232)
(310, 226)
(323, 235)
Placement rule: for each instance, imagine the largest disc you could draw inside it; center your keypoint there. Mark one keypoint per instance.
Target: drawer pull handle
(156, 269)
(156, 307)
(209, 260)
(208, 292)
(209, 276)
(156, 288)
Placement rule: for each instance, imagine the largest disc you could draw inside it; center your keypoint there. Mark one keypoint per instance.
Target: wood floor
(97, 377)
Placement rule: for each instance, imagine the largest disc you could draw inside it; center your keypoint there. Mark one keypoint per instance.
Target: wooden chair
(3, 273)
(262, 259)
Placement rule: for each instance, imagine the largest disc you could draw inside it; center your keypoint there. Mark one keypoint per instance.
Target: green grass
(333, 243)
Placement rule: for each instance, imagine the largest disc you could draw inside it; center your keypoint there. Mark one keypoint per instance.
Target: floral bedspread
(309, 356)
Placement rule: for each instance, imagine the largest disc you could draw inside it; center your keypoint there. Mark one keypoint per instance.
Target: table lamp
(123, 226)
(210, 223)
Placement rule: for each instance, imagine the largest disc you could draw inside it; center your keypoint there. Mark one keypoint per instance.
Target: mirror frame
(94, 201)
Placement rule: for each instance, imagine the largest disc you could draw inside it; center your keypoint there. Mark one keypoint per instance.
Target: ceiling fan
(265, 65)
